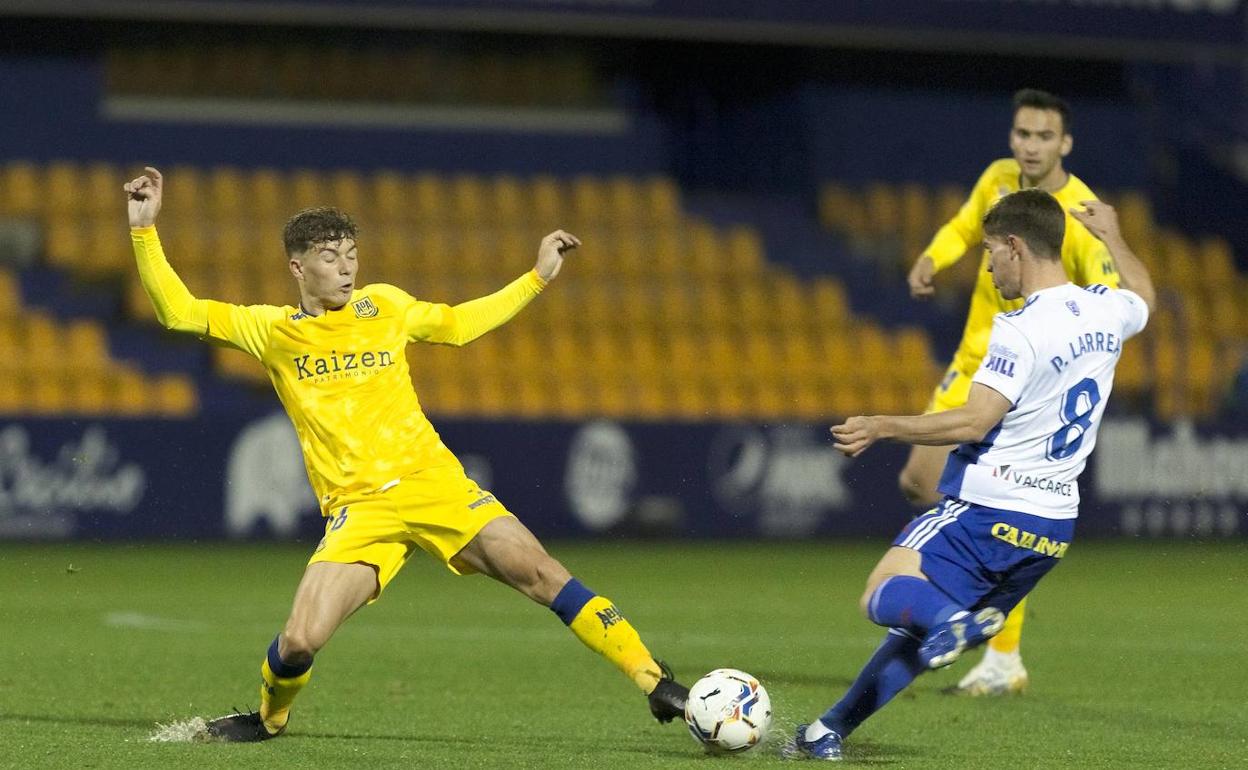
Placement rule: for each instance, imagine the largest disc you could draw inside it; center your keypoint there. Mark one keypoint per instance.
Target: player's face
(1039, 142)
(1005, 264)
(326, 272)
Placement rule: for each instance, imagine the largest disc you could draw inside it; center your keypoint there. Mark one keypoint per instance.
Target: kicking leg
(327, 595)
(508, 552)
(899, 595)
(890, 670)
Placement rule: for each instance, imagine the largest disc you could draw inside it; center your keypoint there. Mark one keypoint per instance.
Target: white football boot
(997, 674)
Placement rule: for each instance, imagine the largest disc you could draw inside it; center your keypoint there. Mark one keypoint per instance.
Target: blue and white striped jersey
(1054, 360)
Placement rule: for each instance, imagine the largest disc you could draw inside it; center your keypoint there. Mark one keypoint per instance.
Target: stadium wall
(242, 477)
(787, 139)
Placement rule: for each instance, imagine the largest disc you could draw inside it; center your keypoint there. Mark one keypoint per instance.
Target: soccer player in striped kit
(1011, 486)
(1040, 138)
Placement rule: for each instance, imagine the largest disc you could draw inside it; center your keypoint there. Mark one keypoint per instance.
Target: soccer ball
(728, 711)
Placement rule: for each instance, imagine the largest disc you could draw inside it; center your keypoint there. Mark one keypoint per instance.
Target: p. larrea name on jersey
(1088, 342)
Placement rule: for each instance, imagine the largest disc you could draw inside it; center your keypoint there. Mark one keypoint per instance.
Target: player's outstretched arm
(1102, 221)
(176, 308)
(984, 408)
(466, 321)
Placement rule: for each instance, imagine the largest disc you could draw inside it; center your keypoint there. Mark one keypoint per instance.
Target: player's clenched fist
(920, 278)
(855, 434)
(550, 253)
(143, 197)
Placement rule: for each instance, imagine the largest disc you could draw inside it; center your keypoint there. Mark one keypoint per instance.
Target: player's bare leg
(921, 475)
(507, 551)
(327, 595)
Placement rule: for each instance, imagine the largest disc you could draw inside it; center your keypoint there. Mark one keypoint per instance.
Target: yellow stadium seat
(86, 344)
(589, 202)
(21, 190)
(65, 242)
(307, 189)
(831, 304)
(90, 395)
(507, 204)
(101, 190)
(883, 211)
(62, 189)
(107, 249)
(10, 294)
(703, 255)
(624, 201)
(469, 198)
(840, 209)
(546, 200)
(227, 193)
(946, 204)
(13, 394)
(388, 196)
(744, 255)
(662, 200)
(186, 190)
(346, 191)
(174, 396)
(268, 193)
(1216, 261)
(51, 395)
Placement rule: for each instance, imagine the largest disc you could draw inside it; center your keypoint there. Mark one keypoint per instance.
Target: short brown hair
(318, 225)
(1033, 215)
(1043, 100)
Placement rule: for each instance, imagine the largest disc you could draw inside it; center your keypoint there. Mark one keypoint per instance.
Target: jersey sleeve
(463, 323)
(1132, 309)
(966, 229)
(245, 327)
(1009, 362)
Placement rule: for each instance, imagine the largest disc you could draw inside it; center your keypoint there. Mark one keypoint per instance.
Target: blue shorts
(986, 557)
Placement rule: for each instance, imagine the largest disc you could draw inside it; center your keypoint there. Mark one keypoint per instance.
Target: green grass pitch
(1136, 652)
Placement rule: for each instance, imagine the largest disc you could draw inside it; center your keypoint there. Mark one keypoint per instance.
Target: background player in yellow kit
(1040, 138)
(385, 481)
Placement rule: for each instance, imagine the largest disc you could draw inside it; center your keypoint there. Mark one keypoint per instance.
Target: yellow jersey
(1085, 257)
(342, 376)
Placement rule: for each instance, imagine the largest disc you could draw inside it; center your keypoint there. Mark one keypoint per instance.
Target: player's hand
(855, 434)
(1100, 218)
(550, 253)
(143, 197)
(920, 278)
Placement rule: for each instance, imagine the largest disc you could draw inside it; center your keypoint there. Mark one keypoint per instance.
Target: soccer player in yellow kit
(1039, 139)
(385, 481)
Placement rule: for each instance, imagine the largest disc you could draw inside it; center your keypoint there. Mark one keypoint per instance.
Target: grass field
(1137, 656)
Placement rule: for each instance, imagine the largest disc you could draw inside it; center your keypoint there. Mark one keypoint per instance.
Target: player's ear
(1068, 144)
(296, 266)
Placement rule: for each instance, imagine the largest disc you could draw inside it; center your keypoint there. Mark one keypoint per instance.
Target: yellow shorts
(952, 391)
(437, 509)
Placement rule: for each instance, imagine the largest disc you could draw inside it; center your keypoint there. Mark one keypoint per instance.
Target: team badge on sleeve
(365, 308)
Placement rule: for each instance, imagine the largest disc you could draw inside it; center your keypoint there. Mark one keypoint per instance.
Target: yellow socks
(280, 683)
(600, 626)
(1006, 642)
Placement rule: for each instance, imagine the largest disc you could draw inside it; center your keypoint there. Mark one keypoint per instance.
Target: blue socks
(281, 668)
(894, 665)
(570, 599)
(908, 602)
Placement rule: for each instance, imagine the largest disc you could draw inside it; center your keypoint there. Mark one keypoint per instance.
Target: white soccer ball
(728, 711)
